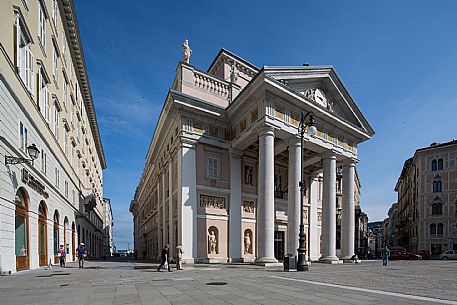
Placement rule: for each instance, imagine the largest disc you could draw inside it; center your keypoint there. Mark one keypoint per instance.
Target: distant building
(427, 200)
(361, 229)
(390, 226)
(108, 223)
(375, 236)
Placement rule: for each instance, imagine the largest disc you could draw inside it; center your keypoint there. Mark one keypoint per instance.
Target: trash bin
(290, 263)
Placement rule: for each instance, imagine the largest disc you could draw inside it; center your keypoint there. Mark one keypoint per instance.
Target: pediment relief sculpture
(318, 95)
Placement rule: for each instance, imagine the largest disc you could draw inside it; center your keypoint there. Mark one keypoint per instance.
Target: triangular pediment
(322, 86)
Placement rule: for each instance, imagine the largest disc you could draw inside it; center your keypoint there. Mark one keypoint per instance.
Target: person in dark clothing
(165, 259)
(82, 253)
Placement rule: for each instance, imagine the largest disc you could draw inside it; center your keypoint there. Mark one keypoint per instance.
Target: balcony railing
(211, 84)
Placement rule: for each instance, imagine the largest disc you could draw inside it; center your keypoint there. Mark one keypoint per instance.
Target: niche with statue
(248, 241)
(213, 240)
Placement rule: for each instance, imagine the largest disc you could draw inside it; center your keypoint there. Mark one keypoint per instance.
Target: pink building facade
(223, 168)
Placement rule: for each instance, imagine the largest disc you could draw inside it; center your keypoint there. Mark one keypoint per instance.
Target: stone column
(293, 197)
(265, 204)
(235, 229)
(314, 236)
(348, 212)
(171, 235)
(328, 250)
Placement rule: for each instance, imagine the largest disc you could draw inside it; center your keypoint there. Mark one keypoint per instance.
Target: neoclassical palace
(223, 168)
(46, 106)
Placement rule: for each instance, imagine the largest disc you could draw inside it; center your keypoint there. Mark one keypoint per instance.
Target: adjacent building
(426, 216)
(108, 223)
(223, 168)
(46, 103)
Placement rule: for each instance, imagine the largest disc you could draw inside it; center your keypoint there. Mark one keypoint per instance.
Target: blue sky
(397, 58)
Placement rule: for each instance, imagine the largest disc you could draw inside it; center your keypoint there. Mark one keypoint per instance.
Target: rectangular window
(24, 57)
(44, 95)
(65, 93)
(22, 137)
(212, 167)
(57, 174)
(56, 121)
(43, 161)
(42, 24)
(55, 66)
(64, 47)
(66, 189)
(65, 144)
(54, 13)
(72, 110)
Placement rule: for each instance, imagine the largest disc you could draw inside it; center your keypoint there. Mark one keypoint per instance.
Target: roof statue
(186, 51)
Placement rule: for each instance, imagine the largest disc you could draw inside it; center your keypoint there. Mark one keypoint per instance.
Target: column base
(266, 261)
(248, 259)
(188, 261)
(346, 257)
(211, 260)
(330, 260)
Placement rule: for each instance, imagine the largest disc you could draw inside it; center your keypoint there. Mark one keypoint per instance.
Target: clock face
(320, 98)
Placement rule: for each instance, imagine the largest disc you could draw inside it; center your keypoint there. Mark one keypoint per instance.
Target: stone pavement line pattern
(394, 294)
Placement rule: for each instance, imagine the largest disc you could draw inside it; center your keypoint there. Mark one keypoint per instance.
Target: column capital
(329, 155)
(349, 162)
(267, 130)
(292, 141)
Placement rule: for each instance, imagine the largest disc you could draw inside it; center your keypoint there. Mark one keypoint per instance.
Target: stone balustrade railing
(215, 86)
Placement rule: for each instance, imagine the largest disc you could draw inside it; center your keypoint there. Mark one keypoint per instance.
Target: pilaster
(235, 229)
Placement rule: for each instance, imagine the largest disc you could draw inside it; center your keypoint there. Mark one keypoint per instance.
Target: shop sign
(34, 183)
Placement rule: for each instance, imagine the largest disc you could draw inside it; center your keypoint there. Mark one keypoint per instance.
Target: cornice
(70, 24)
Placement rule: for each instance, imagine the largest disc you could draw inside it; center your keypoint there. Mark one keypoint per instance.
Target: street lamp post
(311, 130)
(33, 152)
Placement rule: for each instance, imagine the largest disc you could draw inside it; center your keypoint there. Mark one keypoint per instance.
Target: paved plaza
(402, 282)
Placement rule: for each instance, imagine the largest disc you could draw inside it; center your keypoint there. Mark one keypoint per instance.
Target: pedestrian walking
(179, 253)
(385, 256)
(62, 255)
(82, 253)
(165, 259)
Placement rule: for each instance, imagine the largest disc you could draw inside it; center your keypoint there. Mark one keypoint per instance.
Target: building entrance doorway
(42, 235)
(56, 237)
(22, 230)
(279, 245)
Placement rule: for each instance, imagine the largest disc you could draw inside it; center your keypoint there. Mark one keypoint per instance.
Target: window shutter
(216, 168)
(15, 43)
(38, 97)
(31, 70)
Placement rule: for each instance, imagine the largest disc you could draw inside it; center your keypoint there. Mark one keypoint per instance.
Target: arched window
(433, 229)
(440, 164)
(439, 229)
(437, 208)
(434, 165)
